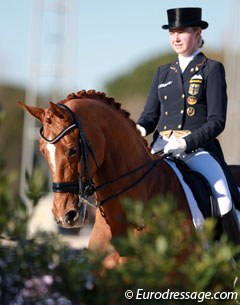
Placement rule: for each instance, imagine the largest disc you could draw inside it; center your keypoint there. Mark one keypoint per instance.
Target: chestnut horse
(92, 145)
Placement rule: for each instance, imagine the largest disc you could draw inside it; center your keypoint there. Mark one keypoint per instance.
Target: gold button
(192, 70)
(166, 113)
(183, 95)
(182, 111)
(165, 97)
(179, 126)
(165, 127)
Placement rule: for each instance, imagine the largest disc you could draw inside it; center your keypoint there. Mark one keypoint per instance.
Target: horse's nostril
(71, 216)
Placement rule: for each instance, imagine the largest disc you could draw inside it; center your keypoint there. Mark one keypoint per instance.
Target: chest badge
(192, 100)
(191, 111)
(193, 88)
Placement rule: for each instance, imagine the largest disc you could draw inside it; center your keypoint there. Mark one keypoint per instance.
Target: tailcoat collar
(194, 66)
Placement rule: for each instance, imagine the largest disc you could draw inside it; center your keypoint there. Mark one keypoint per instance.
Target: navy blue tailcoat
(194, 100)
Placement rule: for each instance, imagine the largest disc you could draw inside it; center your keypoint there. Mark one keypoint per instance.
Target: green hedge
(169, 258)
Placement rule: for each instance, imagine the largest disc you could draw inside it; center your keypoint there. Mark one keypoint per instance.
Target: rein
(154, 163)
(86, 188)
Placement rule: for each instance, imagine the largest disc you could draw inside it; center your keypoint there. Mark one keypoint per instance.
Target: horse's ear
(38, 113)
(58, 111)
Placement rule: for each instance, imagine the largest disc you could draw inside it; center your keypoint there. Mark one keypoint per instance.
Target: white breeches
(204, 163)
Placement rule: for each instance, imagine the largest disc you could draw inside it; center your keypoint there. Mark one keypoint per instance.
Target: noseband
(83, 187)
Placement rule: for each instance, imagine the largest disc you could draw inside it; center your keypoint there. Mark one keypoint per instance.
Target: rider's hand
(175, 147)
(142, 130)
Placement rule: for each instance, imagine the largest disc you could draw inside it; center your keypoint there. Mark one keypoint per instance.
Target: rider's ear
(58, 111)
(34, 111)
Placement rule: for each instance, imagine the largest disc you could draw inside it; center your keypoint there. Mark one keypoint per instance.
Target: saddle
(200, 188)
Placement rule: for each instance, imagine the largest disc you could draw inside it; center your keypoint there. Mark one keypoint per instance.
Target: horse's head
(71, 159)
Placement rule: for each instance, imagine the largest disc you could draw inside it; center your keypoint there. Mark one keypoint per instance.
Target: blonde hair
(200, 40)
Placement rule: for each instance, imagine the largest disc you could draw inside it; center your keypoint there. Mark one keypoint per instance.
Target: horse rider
(187, 106)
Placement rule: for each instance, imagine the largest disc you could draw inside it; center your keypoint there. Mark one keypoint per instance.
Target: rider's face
(184, 41)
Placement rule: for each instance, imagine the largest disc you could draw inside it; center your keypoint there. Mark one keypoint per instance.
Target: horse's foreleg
(100, 240)
(101, 234)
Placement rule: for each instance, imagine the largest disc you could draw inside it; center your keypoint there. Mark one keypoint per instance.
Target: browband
(59, 136)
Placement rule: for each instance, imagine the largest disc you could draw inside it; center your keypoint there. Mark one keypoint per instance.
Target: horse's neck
(125, 151)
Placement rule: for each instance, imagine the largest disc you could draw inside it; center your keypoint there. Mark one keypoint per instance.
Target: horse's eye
(71, 151)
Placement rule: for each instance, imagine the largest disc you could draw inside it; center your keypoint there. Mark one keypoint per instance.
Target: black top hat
(185, 17)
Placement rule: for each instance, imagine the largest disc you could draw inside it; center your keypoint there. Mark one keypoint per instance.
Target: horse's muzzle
(71, 217)
(74, 218)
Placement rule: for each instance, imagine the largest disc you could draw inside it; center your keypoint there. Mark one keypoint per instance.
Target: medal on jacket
(192, 100)
(191, 111)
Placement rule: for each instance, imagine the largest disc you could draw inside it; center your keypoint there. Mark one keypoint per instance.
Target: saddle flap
(200, 188)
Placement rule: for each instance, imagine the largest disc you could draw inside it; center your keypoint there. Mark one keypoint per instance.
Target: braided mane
(101, 97)
(98, 96)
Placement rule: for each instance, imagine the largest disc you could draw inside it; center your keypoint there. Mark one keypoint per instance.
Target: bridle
(85, 187)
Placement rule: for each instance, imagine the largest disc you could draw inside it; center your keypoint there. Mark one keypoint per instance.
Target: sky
(107, 38)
